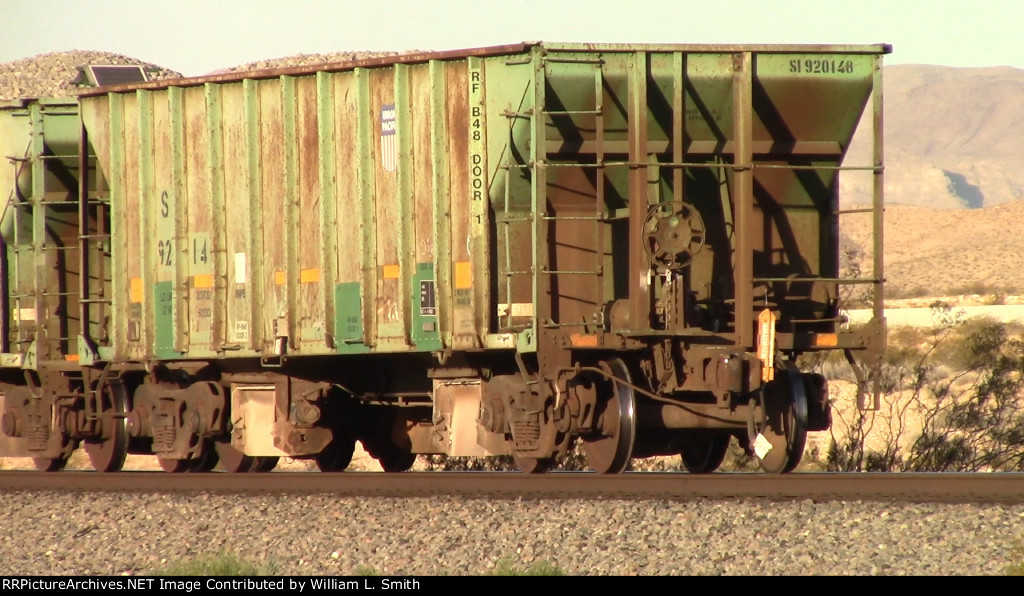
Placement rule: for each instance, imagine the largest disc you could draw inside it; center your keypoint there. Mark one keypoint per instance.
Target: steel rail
(1001, 488)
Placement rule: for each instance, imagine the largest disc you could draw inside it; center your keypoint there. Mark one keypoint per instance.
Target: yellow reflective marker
(766, 343)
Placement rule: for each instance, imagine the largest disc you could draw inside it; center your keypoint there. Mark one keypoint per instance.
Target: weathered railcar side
(492, 251)
(287, 216)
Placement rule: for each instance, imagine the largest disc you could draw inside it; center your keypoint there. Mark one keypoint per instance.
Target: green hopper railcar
(497, 251)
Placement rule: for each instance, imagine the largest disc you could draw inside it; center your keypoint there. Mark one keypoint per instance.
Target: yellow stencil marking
(463, 275)
(279, 278)
(391, 271)
(135, 290)
(202, 281)
(309, 276)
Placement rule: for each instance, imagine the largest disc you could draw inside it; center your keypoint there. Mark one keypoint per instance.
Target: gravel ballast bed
(133, 534)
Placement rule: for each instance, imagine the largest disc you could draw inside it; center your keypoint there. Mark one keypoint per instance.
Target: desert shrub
(896, 292)
(959, 386)
(996, 294)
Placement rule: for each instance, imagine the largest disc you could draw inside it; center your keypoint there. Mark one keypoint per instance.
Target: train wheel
(780, 424)
(232, 460)
(534, 465)
(703, 454)
(49, 464)
(108, 451)
(265, 463)
(173, 466)
(610, 447)
(395, 460)
(206, 461)
(337, 455)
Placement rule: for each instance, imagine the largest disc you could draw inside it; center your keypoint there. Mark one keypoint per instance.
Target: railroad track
(1002, 488)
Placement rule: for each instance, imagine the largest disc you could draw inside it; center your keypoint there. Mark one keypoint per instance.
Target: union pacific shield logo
(388, 146)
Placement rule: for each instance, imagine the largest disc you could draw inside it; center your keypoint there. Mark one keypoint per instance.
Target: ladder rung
(569, 112)
(578, 165)
(841, 280)
(568, 272)
(32, 201)
(765, 166)
(571, 218)
(828, 320)
(95, 301)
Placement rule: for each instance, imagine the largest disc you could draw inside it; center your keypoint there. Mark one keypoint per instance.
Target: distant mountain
(954, 138)
(954, 155)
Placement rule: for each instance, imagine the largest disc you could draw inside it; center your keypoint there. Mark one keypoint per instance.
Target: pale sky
(195, 37)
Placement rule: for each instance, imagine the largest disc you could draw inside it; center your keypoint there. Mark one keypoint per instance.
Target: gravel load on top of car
(55, 74)
(310, 59)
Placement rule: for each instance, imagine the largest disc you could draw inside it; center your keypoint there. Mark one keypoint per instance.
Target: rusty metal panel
(252, 261)
(238, 229)
(196, 228)
(327, 207)
(161, 230)
(392, 286)
(459, 260)
(126, 195)
(440, 186)
(383, 142)
(273, 319)
(217, 256)
(422, 295)
(348, 327)
(311, 318)
(144, 115)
